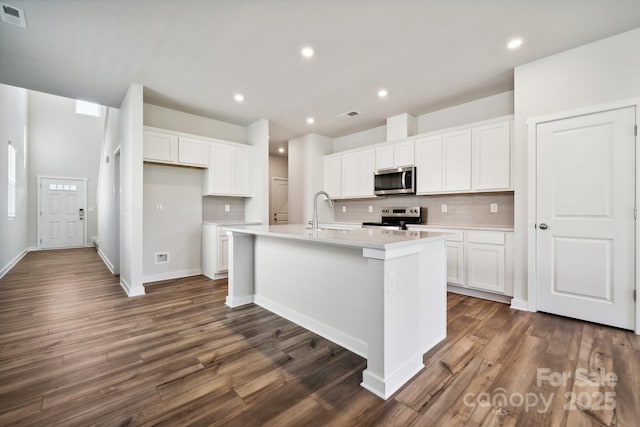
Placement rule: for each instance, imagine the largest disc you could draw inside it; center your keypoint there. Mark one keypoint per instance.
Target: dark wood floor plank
(74, 350)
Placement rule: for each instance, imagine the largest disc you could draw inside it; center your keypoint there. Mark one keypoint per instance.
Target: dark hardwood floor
(74, 350)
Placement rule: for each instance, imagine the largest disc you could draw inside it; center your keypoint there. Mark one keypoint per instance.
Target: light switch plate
(494, 208)
(227, 208)
(370, 208)
(444, 208)
(344, 209)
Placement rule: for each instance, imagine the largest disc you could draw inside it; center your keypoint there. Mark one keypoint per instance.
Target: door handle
(543, 226)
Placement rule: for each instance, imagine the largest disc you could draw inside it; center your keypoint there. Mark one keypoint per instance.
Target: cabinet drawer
(490, 237)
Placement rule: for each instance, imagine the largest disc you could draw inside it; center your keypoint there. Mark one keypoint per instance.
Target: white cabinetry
(162, 146)
(215, 251)
(456, 151)
(357, 174)
(333, 175)
(492, 156)
(395, 155)
(471, 159)
(479, 260)
(229, 172)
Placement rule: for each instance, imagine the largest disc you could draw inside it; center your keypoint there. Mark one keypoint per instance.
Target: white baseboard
(478, 294)
(13, 263)
(171, 275)
(107, 262)
(519, 304)
(349, 342)
(131, 292)
(238, 301)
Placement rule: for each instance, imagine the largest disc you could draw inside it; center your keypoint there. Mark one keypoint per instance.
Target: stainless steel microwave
(395, 181)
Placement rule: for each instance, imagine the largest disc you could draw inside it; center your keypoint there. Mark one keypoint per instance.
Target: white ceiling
(194, 55)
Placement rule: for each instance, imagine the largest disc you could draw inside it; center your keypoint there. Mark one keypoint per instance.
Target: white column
(241, 269)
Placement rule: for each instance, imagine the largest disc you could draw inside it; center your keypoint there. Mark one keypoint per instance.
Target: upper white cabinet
(357, 174)
(229, 172)
(464, 160)
(395, 155)
(456, 151)
(492, 156)
(333, 175)
(167, 147)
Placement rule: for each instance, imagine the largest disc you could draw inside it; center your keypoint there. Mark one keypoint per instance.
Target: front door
(585, 217)
(280, 200)
(62, 213)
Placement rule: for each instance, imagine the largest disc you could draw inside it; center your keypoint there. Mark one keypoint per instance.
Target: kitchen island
(379, 293)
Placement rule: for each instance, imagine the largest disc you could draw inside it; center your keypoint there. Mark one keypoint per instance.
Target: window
(87, 108)
(11, 190)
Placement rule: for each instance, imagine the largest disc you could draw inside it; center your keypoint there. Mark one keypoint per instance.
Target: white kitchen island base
(378, 293)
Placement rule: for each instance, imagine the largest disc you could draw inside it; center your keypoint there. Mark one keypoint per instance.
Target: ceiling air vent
(348, 114)
(12, 15)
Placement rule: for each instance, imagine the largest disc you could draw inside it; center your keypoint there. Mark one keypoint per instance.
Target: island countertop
(373, 238)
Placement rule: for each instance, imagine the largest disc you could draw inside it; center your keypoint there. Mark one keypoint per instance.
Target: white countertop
(229, 223)
(374, 238)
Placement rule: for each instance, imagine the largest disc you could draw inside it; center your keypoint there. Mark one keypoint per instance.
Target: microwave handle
(404, 180)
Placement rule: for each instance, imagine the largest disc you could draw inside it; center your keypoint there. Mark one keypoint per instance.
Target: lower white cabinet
(215, 251)
(478, 259)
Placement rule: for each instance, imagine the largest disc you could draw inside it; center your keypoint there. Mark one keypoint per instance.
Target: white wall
(306, 177)
(474, 111)
(108, 210)
(131, 231)
(278, 166)
(183, 122)
(600, 72)
(176, 227)
(14, 233)
(63, 144)
(257, 207)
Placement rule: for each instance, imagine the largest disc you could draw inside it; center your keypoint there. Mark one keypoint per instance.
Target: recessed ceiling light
(382, 93)
(280, 150)
(238, 97)
(514, 43)
(307, 52)
(311, 120)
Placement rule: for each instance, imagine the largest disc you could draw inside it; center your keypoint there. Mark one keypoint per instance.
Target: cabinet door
(223, 254)
(192, 152)
(159, 146)
(220, 169)
(241, 180)
(455, 263)
(350, 175)
(429, 165)
(333, 175)
(492, 156)
(367, 161)
(403, 154)
(384, 157)
(457, 160)
(485, 267)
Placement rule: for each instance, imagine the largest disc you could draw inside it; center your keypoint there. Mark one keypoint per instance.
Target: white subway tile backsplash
(462, 209)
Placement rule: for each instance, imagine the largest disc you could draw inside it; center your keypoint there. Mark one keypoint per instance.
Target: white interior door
(585, 217)
(280, 200)
(62, 213)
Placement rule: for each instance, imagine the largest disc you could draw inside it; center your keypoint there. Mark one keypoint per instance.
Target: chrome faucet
(314, 224)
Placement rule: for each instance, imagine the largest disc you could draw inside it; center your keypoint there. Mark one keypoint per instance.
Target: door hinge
(634, 295)
(635, 213)
(41, 243)
(635, 130)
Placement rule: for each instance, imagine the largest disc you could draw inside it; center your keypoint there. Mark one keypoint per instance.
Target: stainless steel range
(398, 218)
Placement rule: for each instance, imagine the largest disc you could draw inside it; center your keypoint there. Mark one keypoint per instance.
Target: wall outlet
(493, 208)
(162, 257)
(344, 209)
(370, 209)
(444, 208)
(227, 208)
(159, 207)
(391, 282)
